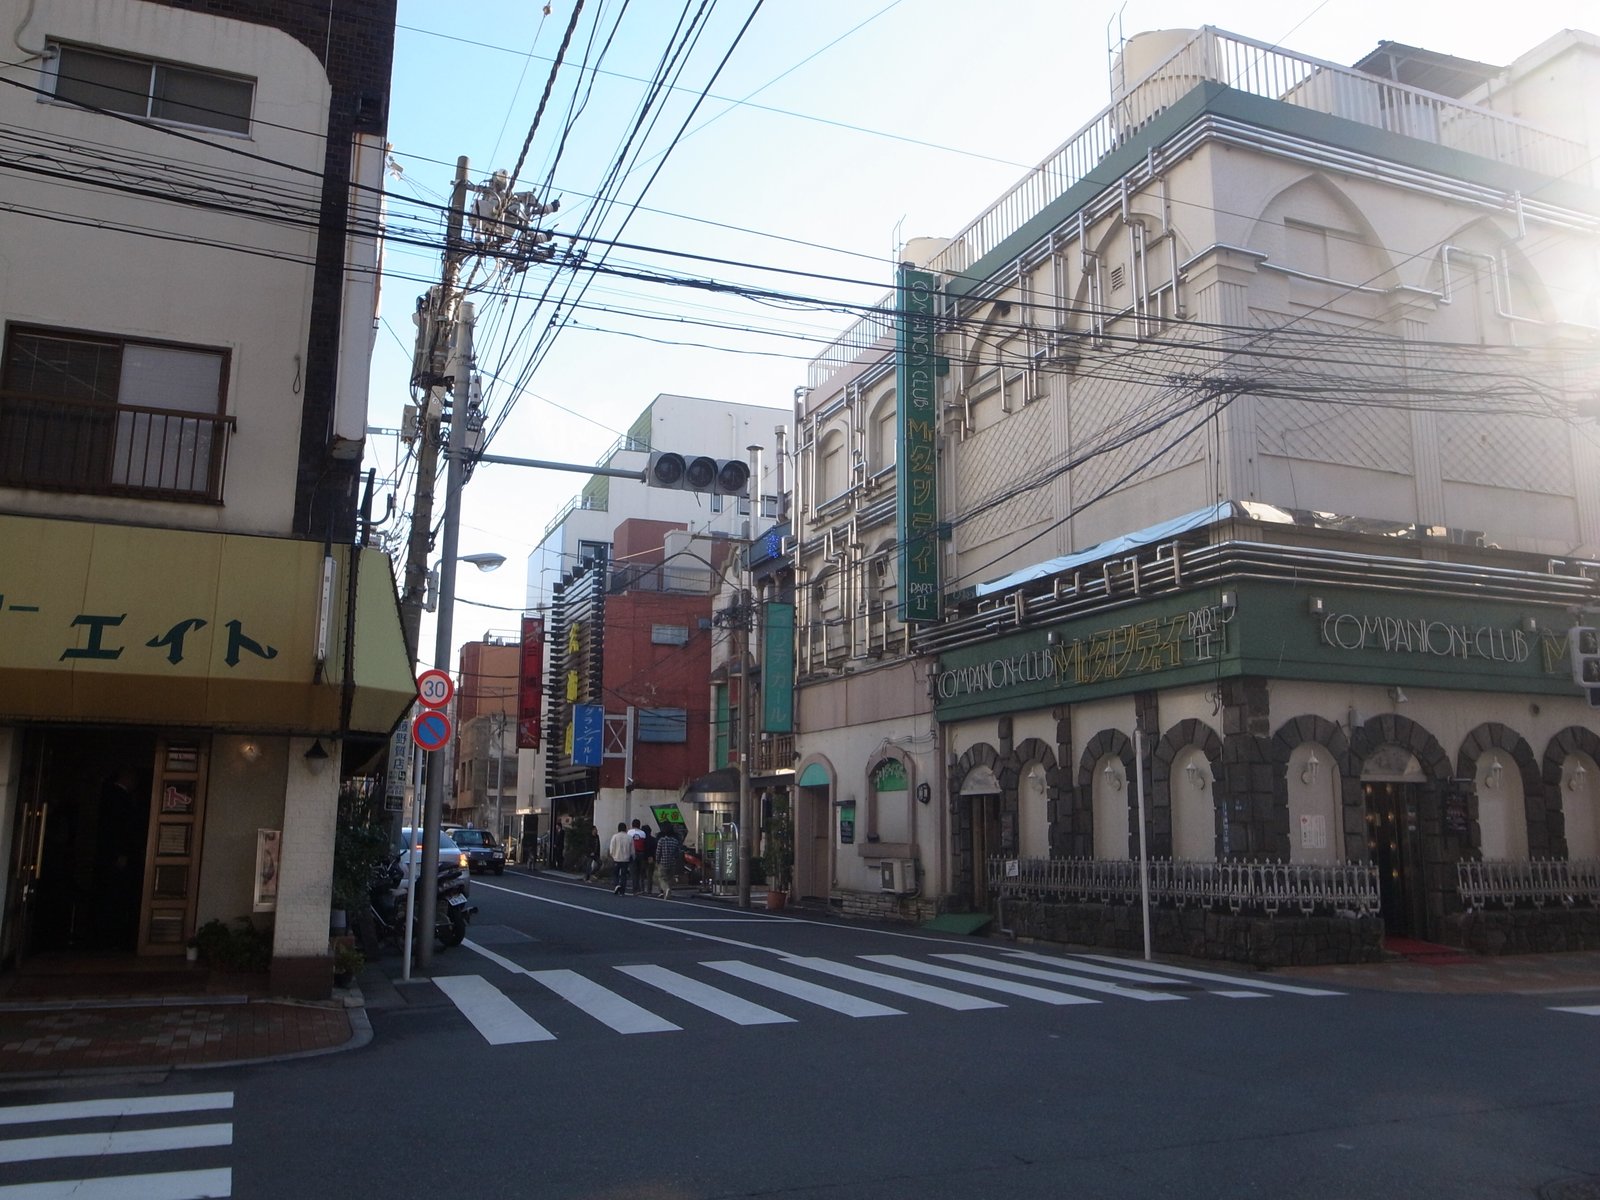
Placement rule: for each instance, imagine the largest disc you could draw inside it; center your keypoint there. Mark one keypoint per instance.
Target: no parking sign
(431, 730)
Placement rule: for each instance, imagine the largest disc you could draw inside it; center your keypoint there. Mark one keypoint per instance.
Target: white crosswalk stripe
(943, 979)
(1025, 990)
(1583, 1010)
(702, 995)
(89, 1134)
(1061, 977)
(601, 1003)
(800, 989)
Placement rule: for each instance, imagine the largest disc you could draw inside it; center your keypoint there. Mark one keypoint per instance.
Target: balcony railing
(1535, 881)
(112, 450)
(1267, 887)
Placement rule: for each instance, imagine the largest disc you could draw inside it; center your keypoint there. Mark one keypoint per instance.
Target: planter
(776, 899)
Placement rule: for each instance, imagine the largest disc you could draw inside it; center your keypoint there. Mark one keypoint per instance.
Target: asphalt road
(603, 1046)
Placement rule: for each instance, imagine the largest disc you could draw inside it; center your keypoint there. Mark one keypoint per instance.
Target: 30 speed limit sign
(434, 688)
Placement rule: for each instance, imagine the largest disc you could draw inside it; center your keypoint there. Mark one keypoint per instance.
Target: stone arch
(1311, 728)
(1492, 735)
(965, 869)
(1024, 755)
(1107, 743)
(1574, 739)
(1186, 733)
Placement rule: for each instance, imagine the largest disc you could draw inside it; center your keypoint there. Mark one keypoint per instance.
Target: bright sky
(836, 130)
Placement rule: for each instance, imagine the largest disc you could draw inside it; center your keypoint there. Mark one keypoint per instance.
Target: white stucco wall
(89, 269)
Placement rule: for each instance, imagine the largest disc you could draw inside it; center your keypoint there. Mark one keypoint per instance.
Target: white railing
(1269, 887)
(1536, 881)
(853, 342)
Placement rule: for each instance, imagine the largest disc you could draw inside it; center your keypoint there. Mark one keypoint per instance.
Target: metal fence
(1267, 887)
(1535, 881)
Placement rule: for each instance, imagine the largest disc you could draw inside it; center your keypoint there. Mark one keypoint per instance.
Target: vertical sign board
(588, 726)
(916, 505)
(530, 683)
(394, 792)
(777, 670)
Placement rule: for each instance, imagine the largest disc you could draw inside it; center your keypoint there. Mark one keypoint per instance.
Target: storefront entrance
(986, 843)
(106, 844)
(1395, 844)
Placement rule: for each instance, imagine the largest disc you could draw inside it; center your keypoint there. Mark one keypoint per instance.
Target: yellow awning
(113, 623)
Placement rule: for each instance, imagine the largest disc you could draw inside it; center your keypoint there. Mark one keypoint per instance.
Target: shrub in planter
(240, 947)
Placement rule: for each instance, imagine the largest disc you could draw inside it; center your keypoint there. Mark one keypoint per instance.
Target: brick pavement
(70, 1037)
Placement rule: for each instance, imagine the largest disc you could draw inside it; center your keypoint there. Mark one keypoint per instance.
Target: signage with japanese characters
(916, 461)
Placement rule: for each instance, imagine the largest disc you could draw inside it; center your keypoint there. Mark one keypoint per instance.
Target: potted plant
(347, 962)
(777, 857)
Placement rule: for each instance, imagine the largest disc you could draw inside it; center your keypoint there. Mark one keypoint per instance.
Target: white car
(450, 855)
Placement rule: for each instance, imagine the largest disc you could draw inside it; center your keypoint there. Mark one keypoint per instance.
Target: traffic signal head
(1583, 646)
(697, 473)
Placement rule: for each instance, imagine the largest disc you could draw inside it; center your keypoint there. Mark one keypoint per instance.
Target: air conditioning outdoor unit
(899, 876)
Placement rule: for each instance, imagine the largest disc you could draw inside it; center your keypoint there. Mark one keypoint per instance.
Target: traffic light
(1583, 646)
(698, 473)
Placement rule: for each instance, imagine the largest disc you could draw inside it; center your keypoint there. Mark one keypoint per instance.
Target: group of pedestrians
(644, 862)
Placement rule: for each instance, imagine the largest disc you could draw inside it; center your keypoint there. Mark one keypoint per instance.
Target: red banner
(530, 683)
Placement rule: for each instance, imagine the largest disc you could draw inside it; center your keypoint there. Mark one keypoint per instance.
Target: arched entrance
(1391, 788)
(980, 792)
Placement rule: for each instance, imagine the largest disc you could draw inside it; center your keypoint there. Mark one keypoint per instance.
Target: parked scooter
(384, 922)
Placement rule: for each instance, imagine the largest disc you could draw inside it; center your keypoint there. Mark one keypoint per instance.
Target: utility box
(899, 876)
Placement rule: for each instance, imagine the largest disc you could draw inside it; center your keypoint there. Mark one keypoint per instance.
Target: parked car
(451, 856)
(483, 852)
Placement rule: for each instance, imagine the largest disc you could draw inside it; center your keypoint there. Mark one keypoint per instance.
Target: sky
(798, 151)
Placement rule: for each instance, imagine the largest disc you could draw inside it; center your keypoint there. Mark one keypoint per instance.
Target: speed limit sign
(434, 688)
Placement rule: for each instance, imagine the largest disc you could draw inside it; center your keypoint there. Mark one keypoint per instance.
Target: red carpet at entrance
(1426, 953)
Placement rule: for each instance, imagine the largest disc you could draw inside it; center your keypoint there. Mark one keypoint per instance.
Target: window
(769, 507)
(163, 91)
(663, 725)
(716, 502)
(669, 635)
(87, 413)
(744, 506)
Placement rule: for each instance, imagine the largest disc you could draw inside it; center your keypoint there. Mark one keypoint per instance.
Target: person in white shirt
(622, 856)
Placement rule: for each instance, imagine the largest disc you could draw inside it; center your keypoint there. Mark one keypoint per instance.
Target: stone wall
(1524, 931)
(1279, 941)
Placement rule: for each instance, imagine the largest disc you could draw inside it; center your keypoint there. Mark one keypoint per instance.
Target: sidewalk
(44, 1037)
(1512, 974)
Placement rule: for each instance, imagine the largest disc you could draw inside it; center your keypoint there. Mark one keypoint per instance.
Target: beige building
(196, 654)
(1255, 429)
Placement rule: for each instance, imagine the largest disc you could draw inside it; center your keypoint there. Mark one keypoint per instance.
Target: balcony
(54, 444)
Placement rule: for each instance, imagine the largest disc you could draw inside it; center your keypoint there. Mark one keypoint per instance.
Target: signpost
(434, 688)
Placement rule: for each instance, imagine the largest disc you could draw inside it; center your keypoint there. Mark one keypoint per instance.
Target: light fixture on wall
(1491, 777)
(250, 751)
(1316, 606)
(1577, 779)
(1230, 601)
(1530, 624)
(1308, 773)
(1196, 776)
(1113, 774)
(317, 756)
(1398, 695)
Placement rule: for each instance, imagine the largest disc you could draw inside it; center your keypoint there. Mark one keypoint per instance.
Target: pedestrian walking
(637, 834)
(669, 859)
(622, 856)
(558, 847)
(591, 855)
(644, 862)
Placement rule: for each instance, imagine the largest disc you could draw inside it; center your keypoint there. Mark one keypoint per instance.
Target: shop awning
(815, 775)
(121, 624)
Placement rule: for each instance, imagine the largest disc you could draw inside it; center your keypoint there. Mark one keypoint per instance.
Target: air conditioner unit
(899, 876)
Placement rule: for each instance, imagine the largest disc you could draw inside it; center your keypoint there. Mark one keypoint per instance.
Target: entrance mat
(958, 922)
(1428, 953)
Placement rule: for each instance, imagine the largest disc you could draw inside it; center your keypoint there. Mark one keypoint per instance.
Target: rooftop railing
(1259, 69)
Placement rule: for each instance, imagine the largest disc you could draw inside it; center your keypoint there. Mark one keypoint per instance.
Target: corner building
(1267, 479)
(196, 652)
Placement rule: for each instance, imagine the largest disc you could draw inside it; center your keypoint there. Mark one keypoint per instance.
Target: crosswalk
(652, 998)
(79, 1148)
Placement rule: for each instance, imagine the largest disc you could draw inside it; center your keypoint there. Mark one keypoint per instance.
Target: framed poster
(268, 845)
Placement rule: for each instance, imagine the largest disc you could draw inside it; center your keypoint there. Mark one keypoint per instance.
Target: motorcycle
(384, 921)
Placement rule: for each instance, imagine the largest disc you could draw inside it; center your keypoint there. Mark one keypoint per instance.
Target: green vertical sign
(916, 506)
(777, 670)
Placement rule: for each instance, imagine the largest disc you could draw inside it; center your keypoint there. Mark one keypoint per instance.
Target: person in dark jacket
(669, 859)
